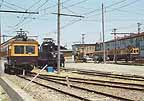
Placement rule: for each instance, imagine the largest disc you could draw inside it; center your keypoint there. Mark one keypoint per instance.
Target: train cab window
(19, 49)
(30, 49)
(134, 51)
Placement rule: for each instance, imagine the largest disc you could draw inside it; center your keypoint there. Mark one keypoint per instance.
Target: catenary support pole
(104, 55)
(58, 37)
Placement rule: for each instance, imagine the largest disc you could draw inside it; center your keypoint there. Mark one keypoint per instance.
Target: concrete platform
(14, 92)
(114, 68)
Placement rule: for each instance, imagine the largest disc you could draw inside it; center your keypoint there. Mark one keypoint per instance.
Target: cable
(34, 4)
(77, 3)
(133, 2)
(87, 13)
(74, 5)
(22, 17)
(69, 10)
(129, 12)
(54, 5)
(14, 5)
(100, 13)
(115, 3)
(114, 9)
(42, 4)
(71, 23)
(9, 7)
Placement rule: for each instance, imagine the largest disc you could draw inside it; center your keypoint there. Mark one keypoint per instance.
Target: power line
(63, 7)
(117, 3)
(133, 2)
(90, 12)
(114, 9)
(77, 3)
(19, 12)
(42, 4)
(100, 13)
(13, 5)
(34, 4)
(68, 9)
(70, 15)
(130, 12)
(54, 5)
(9, 7)
(22, 17)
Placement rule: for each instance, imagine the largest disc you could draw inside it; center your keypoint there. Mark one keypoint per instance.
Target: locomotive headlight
(54, 55)
(10, 47)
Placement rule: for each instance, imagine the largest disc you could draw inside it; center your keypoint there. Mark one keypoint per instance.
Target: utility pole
(83, 38)
(115, 55)
(0, 31)
(104, 59)
(83, 43)
(100, 38)
(139, 29)
(58, 31)
(58, 36)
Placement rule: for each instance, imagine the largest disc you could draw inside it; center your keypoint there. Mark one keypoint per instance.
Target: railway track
(130, 86)
(113, 84)
(57, 89)
(106, 74)
(91, 80)
(58, 80)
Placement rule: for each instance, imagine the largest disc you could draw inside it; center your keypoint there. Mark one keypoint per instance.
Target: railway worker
(62, 61)
(107, 59)
(100, 59)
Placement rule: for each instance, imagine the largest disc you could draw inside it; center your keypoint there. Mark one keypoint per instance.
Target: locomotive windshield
(30, 49)
(24, 49)
(19, 49)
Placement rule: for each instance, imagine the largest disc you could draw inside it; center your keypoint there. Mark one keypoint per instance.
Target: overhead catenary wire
(43, 4)
(14, 5)
(54, 5)
(100, 13)
(87, 13)
(109, 6)
(7, 6)
(23, 19)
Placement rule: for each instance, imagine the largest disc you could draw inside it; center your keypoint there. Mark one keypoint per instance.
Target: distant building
(134, 40)
(86, 49)
(68, 55)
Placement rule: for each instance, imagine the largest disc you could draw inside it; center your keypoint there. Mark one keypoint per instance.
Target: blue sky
(121, 14)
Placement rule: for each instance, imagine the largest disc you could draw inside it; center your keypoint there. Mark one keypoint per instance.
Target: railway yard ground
(112, 68)
(84, 82)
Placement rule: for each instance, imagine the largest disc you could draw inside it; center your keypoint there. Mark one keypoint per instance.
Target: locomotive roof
(13, 40)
